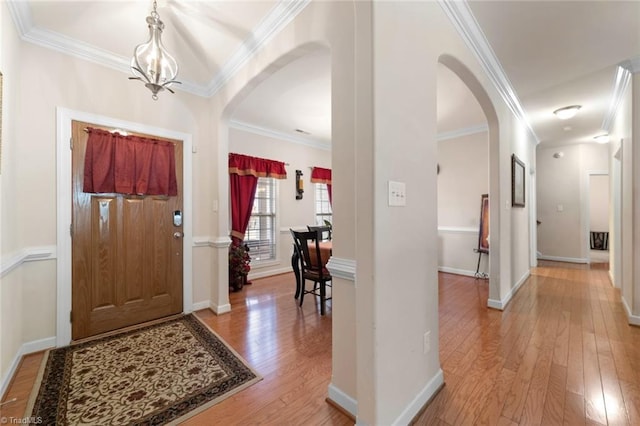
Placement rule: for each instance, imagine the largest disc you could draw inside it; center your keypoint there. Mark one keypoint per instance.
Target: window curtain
(244, 172)
(129, 165)
(320, 175)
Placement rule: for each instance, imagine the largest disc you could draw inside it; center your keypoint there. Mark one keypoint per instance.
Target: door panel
(126, 255)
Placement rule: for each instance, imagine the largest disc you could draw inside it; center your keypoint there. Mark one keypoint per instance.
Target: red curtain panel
(320, 175)
(244, 172)
(129, 165)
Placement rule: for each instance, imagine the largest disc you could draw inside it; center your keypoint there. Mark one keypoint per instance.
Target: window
(323, 206)
(260, 235)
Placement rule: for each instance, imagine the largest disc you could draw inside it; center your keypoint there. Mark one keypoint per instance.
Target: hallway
(561, 353)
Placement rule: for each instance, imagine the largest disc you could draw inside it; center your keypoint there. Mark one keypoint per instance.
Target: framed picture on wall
(483, 237)
(517, 182)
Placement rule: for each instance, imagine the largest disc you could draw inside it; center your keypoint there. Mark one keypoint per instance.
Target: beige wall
(463, 178)
(563, 198)
(10, 284)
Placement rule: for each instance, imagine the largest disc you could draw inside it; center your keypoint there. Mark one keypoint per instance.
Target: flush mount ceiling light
(151, 63)
(602, 138)
(567, 112)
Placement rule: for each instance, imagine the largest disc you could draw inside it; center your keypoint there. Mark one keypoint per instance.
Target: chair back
(311, 262)
(296, 246)
(324, 232)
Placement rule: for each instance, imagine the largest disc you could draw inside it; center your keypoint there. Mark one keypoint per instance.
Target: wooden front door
(126, 252)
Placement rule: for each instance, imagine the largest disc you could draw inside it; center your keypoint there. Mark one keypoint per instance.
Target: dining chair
(325, 231)
(312, 267)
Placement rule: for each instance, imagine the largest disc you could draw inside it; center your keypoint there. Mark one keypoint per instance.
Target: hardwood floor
(561, 353)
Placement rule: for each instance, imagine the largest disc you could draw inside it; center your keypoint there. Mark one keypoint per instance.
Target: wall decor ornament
(299, 185)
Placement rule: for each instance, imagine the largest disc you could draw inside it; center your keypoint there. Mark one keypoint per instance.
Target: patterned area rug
(155, 375)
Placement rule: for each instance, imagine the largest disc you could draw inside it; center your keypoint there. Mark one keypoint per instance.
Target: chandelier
(151, 63)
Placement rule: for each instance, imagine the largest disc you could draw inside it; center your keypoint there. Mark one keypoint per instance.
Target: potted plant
(239, 267)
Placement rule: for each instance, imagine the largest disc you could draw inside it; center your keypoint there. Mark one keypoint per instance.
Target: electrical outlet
(426, 342)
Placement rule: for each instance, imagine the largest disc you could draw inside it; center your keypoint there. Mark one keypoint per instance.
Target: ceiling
(551, 54)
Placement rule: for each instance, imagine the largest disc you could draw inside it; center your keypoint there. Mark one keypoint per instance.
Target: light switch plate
(397, 194)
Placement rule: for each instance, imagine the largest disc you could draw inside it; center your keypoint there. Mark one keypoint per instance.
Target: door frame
(586, 209)
(64, 117)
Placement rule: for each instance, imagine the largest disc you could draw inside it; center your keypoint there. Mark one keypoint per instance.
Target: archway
(268, 118)
(481, 96)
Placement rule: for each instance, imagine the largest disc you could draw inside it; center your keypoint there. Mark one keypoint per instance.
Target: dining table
(325, 252)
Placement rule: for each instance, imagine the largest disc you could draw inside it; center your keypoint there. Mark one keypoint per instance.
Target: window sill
(264, 264)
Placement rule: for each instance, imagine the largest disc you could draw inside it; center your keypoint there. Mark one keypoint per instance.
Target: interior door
(126, 252)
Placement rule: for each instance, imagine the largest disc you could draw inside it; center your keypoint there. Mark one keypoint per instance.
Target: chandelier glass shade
(151, 63)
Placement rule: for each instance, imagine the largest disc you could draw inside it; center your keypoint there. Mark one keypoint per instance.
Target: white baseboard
(271, 272)
(632, 319)
(495, 304)
(563, 259)
(502, 304)
(25, 349)
(201, 305)
(221, 309)
(343, 400)
(421, 399)
(456, 271)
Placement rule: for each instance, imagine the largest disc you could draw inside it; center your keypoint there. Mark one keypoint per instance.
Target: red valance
(244, 165)
(129, 165)
(320, 175)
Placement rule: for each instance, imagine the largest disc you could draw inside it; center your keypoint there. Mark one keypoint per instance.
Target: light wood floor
(561, 353)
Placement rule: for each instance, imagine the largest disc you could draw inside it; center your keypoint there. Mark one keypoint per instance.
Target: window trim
(315, 204)
(275, 231)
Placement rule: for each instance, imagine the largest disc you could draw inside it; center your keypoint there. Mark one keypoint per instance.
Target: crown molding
(465, 23)
(279, 16)
(466, 131)
(263, 131)
(633, 64)
(620, 83)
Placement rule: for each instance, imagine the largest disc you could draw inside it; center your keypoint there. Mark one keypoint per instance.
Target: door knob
(177, 235)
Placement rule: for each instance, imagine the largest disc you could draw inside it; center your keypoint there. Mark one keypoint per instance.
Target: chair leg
(295, 264)
(302, 288)
(322, 296)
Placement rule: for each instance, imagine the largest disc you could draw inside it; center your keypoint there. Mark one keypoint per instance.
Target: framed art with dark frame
(483, 237)
(517, 182)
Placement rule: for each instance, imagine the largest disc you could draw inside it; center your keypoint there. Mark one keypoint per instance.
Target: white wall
(562, 185)
(463, 178)
(634, 183)
(599, 203)
(290, 213)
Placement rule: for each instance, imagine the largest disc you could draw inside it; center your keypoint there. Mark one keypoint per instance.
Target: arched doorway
(486, 105)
